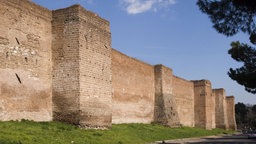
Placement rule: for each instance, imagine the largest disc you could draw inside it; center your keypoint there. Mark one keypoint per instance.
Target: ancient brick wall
(65, 53)
(95, 70)
(25, 61)
(60, 64)
(220, 108)
(133, 90)
(81, 67)
(183, 91)
(204, 104)
(165, 103)
(230, 108)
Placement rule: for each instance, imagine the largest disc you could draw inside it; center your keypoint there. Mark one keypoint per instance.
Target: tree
(251, 116)
(230, 17)
(254, 109)
(241, 113)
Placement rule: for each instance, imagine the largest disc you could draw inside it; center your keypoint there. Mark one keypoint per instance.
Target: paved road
(228, 139)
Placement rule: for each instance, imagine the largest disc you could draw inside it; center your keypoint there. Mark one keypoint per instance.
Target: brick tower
(81, 67)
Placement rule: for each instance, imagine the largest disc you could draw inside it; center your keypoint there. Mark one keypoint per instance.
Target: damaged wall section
(25, 61)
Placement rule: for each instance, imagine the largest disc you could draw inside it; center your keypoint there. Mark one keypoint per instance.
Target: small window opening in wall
(26, 59)
(18, 78)
(17, 41)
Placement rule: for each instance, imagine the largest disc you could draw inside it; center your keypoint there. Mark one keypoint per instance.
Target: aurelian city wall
(59, 65)
(133, 90)
(82, 82)
(230, 108)
(204, 104)
(143, 93)
(25, 61)
(220, 108)
(183, 91)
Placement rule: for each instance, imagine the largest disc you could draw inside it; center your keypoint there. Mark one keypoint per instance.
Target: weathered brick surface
(204, 104)
(25, 61)
(183, 91)
(133, 90)
(230, 108)
(60, 65)
(81, 68)
(95, 70)
(165, 104)
(65, 53)
(220, 108)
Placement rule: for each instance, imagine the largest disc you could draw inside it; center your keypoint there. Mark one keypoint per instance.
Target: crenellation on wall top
(222, 90)
(71, 10)
(86, 16)
(230, 97)
(93, 18)
(202, 82)
(161, 67)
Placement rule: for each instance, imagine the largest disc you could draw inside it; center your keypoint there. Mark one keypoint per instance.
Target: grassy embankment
(28, 132)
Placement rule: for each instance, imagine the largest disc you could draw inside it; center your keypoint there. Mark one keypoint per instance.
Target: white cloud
(140, 6)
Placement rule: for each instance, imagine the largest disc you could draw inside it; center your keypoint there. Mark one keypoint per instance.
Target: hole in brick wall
(7, 54)
(17, 76)
(26, 59)
(17, 41)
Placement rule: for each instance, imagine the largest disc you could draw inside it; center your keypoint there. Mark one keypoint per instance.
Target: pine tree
(230, 17)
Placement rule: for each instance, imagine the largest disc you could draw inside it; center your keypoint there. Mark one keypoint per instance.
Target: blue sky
(169, 32)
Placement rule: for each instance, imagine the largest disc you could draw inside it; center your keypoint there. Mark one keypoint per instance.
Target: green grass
(29, 132)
